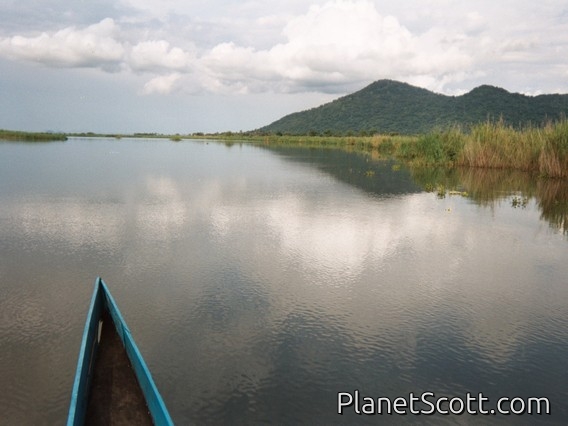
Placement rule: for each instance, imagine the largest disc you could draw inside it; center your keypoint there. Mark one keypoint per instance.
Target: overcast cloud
(184, 66)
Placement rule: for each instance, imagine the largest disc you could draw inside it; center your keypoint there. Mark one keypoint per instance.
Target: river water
(260, 282)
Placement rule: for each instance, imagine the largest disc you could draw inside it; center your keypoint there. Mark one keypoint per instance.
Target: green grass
(440, 148)
(495, 145)
(12, 135)
(542, 150)
(487, 145)
(553, 158)
(378, 145)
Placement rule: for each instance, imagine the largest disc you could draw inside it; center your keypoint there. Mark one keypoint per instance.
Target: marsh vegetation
(493, 145)
(13, 135)
(489, 145)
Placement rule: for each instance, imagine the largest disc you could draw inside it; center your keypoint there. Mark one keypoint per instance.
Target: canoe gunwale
(101, 300)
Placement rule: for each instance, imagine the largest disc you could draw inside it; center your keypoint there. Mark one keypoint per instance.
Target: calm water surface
(261, 282)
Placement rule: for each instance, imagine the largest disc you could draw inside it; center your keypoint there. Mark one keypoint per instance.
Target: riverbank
(489, 145)
(492, 145)
(13, 135)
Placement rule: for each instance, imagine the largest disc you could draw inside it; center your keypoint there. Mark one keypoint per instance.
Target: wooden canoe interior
(115, 397)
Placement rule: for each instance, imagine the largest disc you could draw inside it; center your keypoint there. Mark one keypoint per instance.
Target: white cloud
(332, 46)
(162, 84)
(345, 37)
(93, 46)
(156, 55)
(447, 46)
(341, 42)
(102, 45)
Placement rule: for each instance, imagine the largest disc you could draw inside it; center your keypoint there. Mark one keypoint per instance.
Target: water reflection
(380, 177)
(384, 177)
(488, 187)
(259, 285)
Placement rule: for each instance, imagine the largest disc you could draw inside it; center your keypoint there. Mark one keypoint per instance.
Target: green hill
(387, 106)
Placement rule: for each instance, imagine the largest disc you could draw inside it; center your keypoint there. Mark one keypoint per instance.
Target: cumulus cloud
(93, 46)
(156, 55)
(102, 45)
(338, 43)
(330, 47)
(162, 84)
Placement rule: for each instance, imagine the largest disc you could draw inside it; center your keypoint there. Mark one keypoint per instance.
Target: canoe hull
(102, 303)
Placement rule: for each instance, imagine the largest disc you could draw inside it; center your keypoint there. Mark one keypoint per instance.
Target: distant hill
(387, 106)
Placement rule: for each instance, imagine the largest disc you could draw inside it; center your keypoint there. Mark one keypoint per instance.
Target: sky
(173, 66)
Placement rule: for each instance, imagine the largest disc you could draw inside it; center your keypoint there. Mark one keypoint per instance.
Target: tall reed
(496, 145)
(553, 159)
(492, 145)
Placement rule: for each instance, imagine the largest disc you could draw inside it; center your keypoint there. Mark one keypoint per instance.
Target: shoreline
(489, 145)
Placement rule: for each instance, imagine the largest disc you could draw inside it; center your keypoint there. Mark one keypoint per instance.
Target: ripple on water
(24, 318)
(34, 359)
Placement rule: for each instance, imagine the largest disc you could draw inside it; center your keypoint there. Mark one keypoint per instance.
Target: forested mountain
(387, 106)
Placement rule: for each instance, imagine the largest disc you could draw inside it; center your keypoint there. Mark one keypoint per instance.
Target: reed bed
(13, 135)
(497, 146)
(493, 145)
(489, 145)
(553, 159)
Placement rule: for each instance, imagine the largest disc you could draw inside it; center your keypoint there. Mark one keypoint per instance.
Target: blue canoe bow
(90, 373)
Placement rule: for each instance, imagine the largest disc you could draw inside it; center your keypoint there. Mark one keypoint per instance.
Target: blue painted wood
(102, 299)
(156, 405)
(86, 362)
